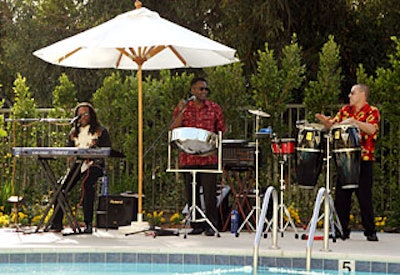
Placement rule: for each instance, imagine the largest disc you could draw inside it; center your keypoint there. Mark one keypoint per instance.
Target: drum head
(194, 141)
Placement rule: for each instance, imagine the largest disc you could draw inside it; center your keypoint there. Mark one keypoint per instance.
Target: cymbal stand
(193, 208)
(257, 208)
(282, 207)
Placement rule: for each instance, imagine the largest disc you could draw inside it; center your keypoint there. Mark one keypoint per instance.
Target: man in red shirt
(204, 114)
(359, 113)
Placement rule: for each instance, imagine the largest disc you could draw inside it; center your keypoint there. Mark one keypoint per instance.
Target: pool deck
(357, 248)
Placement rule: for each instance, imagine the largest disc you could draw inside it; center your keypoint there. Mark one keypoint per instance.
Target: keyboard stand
(58, 198)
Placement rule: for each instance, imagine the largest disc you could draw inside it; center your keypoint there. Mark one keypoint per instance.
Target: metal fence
(25, 174)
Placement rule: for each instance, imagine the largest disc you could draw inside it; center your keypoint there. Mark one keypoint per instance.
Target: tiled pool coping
(114, 246)
(173, 258)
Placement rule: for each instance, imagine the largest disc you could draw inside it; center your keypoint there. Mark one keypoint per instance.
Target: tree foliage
(324, 91)
(276, 81)
(244, 25)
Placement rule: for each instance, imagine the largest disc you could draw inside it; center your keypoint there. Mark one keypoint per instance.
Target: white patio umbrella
(137, 40)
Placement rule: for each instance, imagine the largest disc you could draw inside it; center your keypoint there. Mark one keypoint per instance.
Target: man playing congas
(366, 117)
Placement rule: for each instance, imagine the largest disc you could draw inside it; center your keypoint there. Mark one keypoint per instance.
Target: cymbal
(259, 113)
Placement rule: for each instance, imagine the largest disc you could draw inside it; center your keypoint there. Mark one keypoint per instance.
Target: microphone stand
(170, 124)
(152, 228)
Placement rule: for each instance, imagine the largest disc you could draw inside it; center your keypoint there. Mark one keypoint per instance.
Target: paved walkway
(112, 240)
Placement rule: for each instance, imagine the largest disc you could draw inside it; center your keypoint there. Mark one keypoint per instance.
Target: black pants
(208, 182)
(364, 196)
(89, 180)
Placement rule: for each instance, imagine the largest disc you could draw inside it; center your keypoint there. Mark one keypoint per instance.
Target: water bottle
(104, 185)
(234, 221)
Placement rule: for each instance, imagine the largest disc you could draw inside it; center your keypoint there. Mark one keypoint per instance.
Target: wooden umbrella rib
(135, 56)
(141, 55)
(133, 52)
(132, 56)
(154, 50)
(178, 55)
(61, 59)
(118, 60)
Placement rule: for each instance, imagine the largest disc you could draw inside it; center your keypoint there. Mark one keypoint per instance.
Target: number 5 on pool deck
(346, 266)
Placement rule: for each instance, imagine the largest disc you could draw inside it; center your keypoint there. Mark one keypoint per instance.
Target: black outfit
(364, 196)
(89, 178)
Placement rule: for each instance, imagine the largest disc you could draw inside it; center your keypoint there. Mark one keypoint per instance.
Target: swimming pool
(113, 247)
(149, 268)
(54, 262)
(121, 268)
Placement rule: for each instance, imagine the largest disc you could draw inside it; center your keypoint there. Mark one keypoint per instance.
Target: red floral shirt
(369, 114)
(209, 117)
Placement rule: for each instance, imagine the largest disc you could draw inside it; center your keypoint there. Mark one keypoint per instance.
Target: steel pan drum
(194, 141)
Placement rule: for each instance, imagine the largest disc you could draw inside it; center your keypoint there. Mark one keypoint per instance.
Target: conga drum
(309, 155)
(194, 141)
(346, 151)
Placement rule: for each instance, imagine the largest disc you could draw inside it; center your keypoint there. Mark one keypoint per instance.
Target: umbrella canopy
(137, 40)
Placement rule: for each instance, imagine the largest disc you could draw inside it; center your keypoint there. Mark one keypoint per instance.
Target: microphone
(75, 119)
(193, 97)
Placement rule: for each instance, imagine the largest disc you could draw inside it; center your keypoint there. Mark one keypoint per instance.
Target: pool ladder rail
(323, 194)
(271, 191)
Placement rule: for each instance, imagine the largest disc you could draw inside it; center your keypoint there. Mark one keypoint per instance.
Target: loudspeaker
(116, 210)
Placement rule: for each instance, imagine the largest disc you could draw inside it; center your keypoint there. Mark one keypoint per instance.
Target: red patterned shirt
(369, 114)
(209, 117)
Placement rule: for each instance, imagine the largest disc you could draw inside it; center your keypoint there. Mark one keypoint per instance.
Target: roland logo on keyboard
(112, 201)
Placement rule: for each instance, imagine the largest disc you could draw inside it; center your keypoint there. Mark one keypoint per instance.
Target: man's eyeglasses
(355, 92)
(84, 114)
(203, 89)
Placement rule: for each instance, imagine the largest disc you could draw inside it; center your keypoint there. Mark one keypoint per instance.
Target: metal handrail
(322, 194)
(271, 191)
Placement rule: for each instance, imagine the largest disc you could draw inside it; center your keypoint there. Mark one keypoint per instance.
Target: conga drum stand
(333, 217)
(332, 213)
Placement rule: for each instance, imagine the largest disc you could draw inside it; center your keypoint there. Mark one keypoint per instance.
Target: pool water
(120, 268)
(146, 268)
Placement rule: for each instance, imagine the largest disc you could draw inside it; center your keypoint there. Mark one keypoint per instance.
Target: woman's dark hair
(94, 123)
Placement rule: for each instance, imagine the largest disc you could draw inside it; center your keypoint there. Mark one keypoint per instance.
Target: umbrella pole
(140, 145)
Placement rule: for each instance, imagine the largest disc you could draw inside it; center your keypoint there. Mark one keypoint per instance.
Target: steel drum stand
(333, 217)
(282, 207)
(192, 210)
(257, 208)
